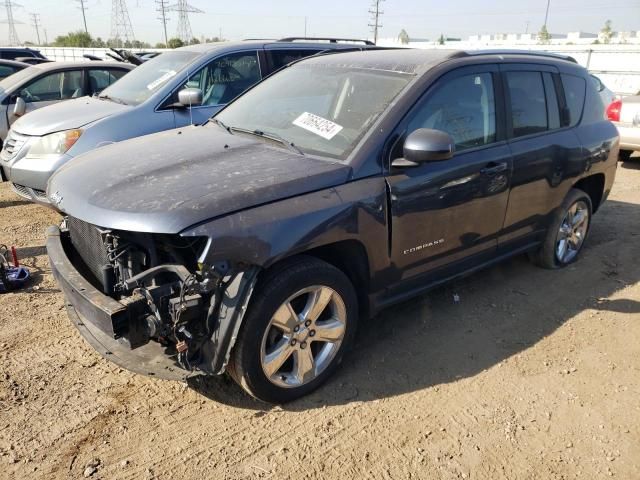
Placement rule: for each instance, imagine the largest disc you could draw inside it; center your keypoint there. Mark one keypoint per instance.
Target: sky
(339, 18)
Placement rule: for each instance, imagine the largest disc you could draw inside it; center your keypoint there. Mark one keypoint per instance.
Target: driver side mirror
(20, 107)
(425, 145)
(190, 97)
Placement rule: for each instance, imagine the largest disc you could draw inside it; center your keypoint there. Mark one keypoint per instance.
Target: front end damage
(144, 301)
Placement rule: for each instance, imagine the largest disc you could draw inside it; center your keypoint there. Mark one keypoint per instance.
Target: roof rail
(533, 53)
(326, 39)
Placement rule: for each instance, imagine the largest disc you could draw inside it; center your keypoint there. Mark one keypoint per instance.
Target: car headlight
(54, 143)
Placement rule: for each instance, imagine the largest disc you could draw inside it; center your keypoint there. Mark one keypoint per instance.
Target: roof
(14, 63)
(49, 66)
(210, 47)
(398, 60)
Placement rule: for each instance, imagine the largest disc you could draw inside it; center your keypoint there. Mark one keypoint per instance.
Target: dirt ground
(532, 374)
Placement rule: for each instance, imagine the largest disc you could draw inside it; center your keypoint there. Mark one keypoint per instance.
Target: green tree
(194, 41)
(74, 39)
(175, 43)
(160, 45)
(544, 36)
(441, 39)
(606, 33)
(98, 43)
(403, 36)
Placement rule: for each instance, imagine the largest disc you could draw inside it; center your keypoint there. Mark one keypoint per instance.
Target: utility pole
(83, 7)
(546, 14)
(13, 34)
(375, 18)
(46, 40)
(184, 26)
(121, 23)
(526, 30)
(162, 6)
(35, 19)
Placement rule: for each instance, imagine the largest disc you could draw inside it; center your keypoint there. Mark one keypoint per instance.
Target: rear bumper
(95, 314)
(629, 137)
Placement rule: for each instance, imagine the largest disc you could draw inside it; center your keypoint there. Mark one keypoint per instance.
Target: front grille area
(88, 243)
(12, 145)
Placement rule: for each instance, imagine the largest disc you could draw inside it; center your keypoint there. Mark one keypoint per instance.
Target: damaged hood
(66, 115)
(166, 182)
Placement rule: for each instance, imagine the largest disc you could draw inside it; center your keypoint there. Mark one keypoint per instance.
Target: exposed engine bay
(170, 298)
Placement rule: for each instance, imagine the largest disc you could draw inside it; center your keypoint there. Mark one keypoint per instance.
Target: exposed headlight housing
(54, 144)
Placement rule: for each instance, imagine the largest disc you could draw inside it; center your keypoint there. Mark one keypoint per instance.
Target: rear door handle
(494, 168)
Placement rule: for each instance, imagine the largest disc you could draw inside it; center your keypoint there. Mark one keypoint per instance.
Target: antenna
(13, 35)
(35, 19)
(162, 7)
(184, 26)
(83, 7)
(375, 18)
(121, 29)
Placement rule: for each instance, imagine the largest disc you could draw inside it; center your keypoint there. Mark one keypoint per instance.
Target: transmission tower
(83, 7)
(35, 19)
(375, 18)
(13, 35)
(162, 7)
(121, 29)
(184, 26)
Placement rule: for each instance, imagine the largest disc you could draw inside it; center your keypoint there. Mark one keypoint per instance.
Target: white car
(625, 114)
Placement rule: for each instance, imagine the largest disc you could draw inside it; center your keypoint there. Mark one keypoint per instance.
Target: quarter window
(464, 108)
(574, 93)
(528, 105)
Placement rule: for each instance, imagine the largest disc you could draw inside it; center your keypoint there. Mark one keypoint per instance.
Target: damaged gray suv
(342, 184)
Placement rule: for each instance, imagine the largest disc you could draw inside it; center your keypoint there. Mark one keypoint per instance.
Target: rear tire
(301, 320)
(567, 232)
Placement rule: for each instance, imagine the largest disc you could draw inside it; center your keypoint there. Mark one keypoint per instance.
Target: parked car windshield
(322, 110)
(17, 78)
(146, 79)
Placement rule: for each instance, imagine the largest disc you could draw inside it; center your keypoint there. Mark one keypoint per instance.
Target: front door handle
(494, 168)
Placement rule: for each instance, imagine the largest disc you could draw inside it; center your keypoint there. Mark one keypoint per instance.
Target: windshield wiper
(113, 99)
(220, 123)
(270, 136)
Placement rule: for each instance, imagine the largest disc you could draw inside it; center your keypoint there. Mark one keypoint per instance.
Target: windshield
(321, 110)
(18, 78)
(146, 79)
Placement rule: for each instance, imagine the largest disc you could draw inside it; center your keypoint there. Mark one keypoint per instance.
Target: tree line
(82, 39)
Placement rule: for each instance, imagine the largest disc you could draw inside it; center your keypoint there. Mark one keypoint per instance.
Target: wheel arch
(593, 185)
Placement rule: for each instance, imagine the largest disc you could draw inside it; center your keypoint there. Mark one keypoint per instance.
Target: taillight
(613, 110)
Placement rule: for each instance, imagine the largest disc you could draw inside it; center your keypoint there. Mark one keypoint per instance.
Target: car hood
(65, 115)
(166, 182)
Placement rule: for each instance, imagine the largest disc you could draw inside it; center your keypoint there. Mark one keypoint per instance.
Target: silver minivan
(175, 89)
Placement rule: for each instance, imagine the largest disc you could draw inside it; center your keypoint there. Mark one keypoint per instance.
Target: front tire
(567, 232)
(301, 320)
(624, 155)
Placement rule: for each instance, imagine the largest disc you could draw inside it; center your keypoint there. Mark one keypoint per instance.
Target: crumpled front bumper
(94, 315)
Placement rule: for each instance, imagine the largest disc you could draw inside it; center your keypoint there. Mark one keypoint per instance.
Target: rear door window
(574, 93)
(553, 108)
(528, 103)
(464, 107)
(102, 78)
(279, 58)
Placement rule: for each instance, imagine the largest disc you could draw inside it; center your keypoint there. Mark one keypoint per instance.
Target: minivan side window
(55, 86)
(101, 79)
(464, 107)
(226, 77)
(280, 58)
(528, 105)
(574, 93)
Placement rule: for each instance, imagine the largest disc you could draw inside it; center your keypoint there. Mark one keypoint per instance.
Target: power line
(121, 29)
(162, 6)
(13, 34)
(83, 7)
(375, 18)
(35, 19)
(184, 26)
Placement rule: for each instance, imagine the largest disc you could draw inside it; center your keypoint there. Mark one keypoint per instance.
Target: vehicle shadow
(13, 203)
(500, 312)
